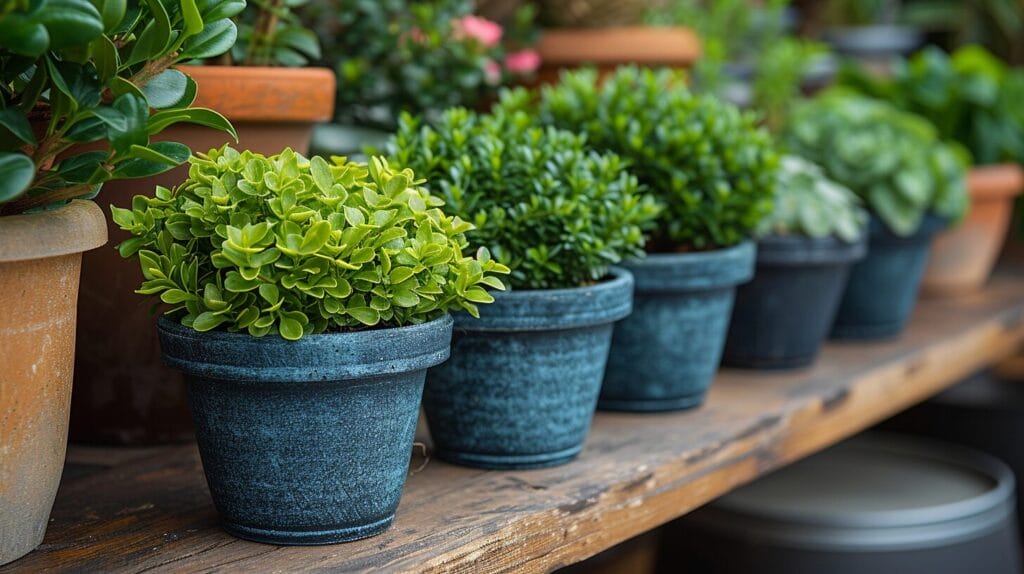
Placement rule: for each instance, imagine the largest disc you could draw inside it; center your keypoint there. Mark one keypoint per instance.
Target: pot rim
(694, 271)
(802, 250)
(73, 228)
(665, 45)
(554, 309)
(999, 181)
(320, 357)
(265, 94)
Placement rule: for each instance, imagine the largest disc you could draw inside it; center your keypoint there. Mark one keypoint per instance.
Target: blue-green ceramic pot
(781, 317)
(522, 383)
(306, 442)
(882, 289)
(665, 355)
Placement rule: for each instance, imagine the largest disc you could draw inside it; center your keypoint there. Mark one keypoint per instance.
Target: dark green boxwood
(555, 212)
(254, 243)
(705, 160)
(810, 204)
(892, 159)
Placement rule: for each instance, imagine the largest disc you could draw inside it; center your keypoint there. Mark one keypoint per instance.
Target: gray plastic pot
(306, 442)
(521, 386)
(665, 354)
(878, 504)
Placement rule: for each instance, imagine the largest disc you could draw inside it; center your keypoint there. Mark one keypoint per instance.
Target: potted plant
(869, 30)
(805, 249)
(124, 395)
(714, 170)
(610, 33)
(420, 57)
(304, 319)
(912, 184)
(522, 384)
(83, 90)
(973, 99)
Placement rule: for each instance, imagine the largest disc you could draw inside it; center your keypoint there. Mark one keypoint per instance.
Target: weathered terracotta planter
(40, 259)
(608, 48)
(962, 258)
(123, 394)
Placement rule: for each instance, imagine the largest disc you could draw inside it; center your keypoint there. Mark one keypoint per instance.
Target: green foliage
(861, 12)
(705, 160)
(556, 213)
(76, 72)
(892, 159)
(808, 203)
(260, 244)
(271, 34)
(406, 55)
(972, 98)
(996, 24)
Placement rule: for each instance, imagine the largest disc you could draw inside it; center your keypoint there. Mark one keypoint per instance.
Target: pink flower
(522, 62)
(492, 73)
(480, 29)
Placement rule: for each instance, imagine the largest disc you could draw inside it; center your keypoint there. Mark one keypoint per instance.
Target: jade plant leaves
(555, 212)
(705, 160)
(293, 246)
(893, 160)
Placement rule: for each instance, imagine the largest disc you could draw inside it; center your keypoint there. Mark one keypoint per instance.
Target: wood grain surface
(149, 510)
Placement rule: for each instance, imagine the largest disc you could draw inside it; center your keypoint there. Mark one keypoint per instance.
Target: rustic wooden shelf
(148, 509)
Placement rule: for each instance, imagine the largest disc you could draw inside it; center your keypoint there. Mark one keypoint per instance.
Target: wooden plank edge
(600, 520)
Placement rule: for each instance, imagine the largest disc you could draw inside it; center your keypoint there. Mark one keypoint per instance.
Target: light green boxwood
(282, 243)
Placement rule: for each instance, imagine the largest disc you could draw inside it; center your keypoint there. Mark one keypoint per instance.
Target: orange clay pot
(608, 48)
(123, 393)
(40, 258)
(962, 258)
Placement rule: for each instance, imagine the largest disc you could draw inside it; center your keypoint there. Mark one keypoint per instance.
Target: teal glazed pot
(782, 316)
(521, 386)
(306, 442)
(882, 289)
(665, 355)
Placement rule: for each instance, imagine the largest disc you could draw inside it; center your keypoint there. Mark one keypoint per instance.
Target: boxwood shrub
(705, 160)
(301, 246)
(556, 213)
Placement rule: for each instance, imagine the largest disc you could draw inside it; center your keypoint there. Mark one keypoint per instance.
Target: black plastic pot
(306, 442)
(781, 317)
(521, 386)
(983, 412)
(877, 504)
(882, 289)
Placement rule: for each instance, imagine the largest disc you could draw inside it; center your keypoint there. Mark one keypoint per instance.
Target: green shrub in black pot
(714, 170)
(912, 184)
(522, 384)
(804, 253)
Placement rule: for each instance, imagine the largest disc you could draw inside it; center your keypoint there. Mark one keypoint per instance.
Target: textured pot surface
(123, 395)
(40, 259)
(522, 383)
(882, 288)
(783, 315)
(962, 258)
(306, 442)
(665, 354)
(608, 48)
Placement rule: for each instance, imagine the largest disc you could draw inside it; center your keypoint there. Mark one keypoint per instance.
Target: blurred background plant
(417, 56)
(270, 33)
(996, 24)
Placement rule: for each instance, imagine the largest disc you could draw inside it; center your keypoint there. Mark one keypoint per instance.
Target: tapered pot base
(308, 537)
(652, 405)
(509, 461)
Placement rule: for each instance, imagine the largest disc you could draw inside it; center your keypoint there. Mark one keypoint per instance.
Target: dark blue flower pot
(306, 442)
(782, 316)
(665, 355)
(882, 288)
(521, 386)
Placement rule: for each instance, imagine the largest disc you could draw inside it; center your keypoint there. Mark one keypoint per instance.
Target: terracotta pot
(608, 48)
(123, 394)
(40, 259)
(962, 258)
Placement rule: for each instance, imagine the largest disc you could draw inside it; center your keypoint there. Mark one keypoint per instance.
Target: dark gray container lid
(872, 493)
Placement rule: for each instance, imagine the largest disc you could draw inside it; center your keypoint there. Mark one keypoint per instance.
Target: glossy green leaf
(167, 89)
(215, 39)
(14, 120)
(16, 174)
